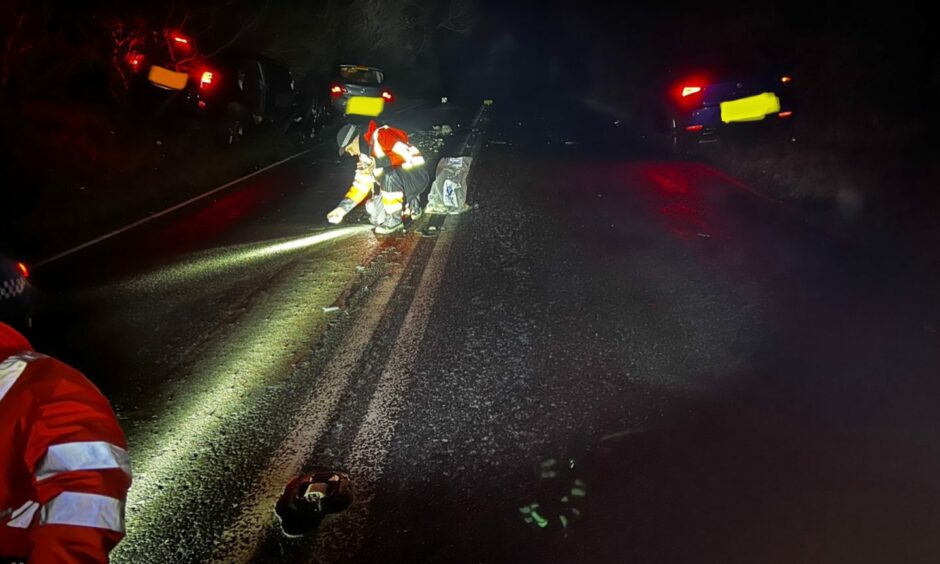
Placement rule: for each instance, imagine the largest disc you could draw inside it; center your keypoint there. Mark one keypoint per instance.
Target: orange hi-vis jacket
(64, 469)
(388, 147)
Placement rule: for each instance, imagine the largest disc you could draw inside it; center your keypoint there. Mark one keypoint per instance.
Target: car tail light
(785, 114)
(206, 79)
(135, 61)
(337, 89)
(179, 38)
(785, 79)
(21, 266)
(695, 128)
(690, 90)
(387, 95)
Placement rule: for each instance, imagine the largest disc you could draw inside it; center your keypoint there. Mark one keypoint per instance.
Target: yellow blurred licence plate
(167, 78)
(365, 106)
(752, 108)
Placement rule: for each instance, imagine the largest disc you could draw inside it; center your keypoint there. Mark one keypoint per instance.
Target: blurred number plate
(753, 108)
(167, 78)
(365, 106)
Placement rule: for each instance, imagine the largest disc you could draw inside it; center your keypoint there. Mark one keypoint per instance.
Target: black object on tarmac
(308, 498)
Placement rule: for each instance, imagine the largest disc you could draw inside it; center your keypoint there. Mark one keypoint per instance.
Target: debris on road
(448, 193)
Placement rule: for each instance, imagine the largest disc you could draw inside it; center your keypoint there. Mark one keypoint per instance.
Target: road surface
(683, 370)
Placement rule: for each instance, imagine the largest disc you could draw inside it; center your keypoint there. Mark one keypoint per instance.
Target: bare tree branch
(239, 33)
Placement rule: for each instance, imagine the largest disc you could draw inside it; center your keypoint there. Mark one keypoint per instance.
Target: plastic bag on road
(449, 190)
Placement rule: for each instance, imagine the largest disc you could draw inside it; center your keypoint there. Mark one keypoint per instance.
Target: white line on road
(371, 446)
(151, 217)
(409, 108)
(240, 539)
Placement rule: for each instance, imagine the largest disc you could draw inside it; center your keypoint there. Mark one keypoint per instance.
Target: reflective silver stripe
(401, 150)
(90, 455)
(22, 517)
(376, 146)
(84, 510)
(11, 369)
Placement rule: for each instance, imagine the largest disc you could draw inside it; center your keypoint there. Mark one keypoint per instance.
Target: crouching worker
(63, 461)
(390, 164)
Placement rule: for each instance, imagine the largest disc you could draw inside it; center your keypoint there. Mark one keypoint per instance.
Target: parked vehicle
(232, 93)
(359, 91)
(709, 101)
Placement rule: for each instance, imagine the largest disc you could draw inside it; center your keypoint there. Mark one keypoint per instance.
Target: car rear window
(359, 75)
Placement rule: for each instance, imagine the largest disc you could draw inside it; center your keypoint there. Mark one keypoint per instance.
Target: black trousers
(412, 182)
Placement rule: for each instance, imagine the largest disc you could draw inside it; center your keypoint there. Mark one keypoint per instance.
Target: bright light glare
(226, 377)
(305, 242)
(689, 90)
(217, 261)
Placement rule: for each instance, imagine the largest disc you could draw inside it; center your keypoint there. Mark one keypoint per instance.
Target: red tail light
(206, 79)
(785, 114)
(690, 90)
(786, 79)
(23, 269)
(387, 95)
(336, 90)
(695, 128)
(135, 61)
(182, 40)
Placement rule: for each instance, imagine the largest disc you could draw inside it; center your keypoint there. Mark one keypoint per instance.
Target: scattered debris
(330, 309)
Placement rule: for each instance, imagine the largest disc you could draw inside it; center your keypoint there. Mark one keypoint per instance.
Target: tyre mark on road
(241, 538)
(342, 538)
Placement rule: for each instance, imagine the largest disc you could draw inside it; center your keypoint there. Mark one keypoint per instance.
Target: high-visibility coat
(64, 468)
(388, 148)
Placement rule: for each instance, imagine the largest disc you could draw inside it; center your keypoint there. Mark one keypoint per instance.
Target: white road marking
(409, 108)
(371, 446)
(241, 538)
(154, 216)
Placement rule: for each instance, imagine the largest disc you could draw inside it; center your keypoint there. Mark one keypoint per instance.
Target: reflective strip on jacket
(64, 459)
(391, 144)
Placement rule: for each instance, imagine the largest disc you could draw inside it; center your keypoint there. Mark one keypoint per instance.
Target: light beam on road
(217, 261)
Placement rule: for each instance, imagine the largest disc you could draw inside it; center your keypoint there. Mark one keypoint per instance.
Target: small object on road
(704, 235)
(159, 142)
(558, 494)
(569, 142)
(488, 102)
(443, 99)
(308, 498)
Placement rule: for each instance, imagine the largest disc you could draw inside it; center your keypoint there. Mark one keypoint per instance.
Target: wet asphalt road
(728, 383)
